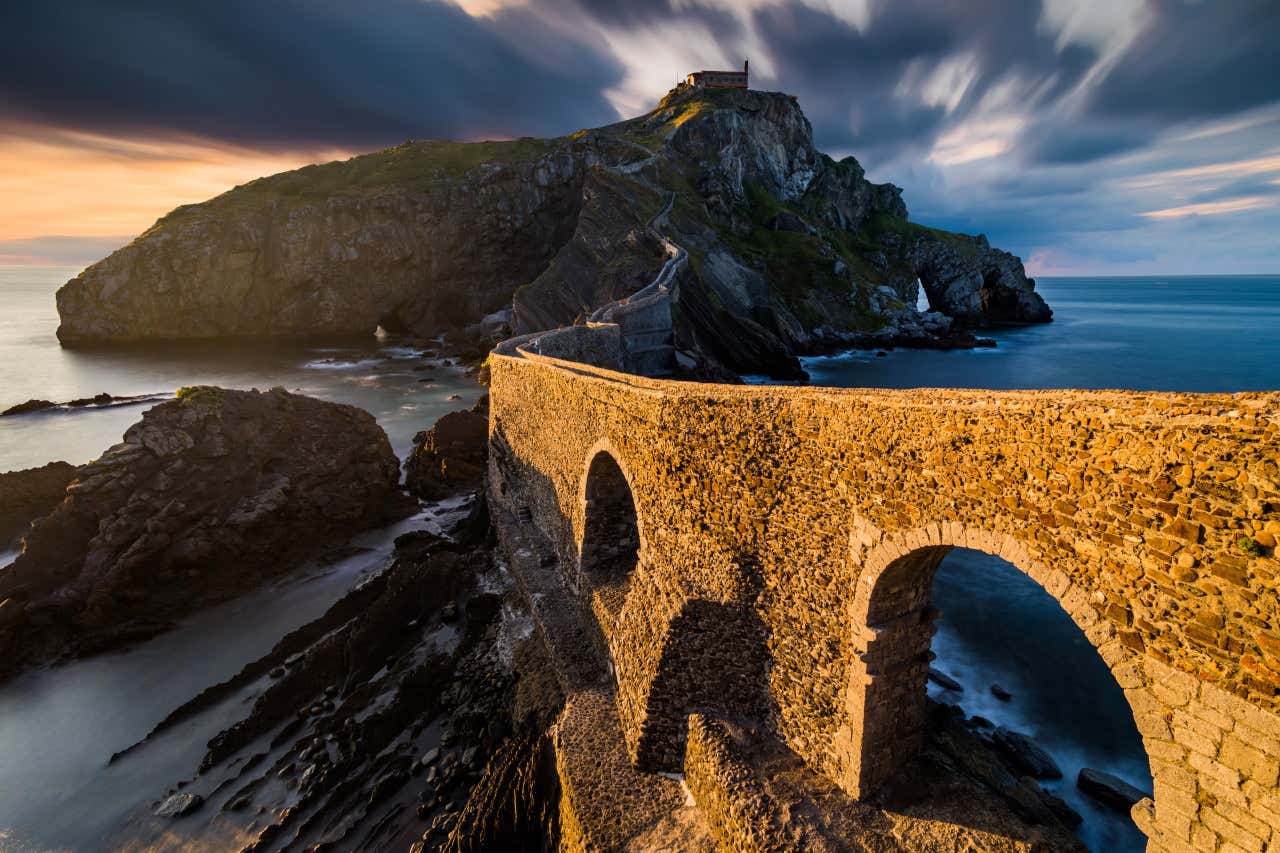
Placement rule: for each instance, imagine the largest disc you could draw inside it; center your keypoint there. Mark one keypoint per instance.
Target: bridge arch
(611, 545)
(892, 617)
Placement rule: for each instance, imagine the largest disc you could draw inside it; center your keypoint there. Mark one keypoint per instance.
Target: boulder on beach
(207, 496)
(1025, 755)
(179, 805)
(1111, 791)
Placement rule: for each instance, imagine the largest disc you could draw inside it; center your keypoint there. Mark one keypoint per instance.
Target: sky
(1090, 137)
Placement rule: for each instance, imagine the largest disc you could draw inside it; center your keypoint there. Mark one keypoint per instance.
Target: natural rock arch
(893, 617)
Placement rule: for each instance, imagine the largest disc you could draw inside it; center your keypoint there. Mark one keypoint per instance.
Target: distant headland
(789, 251)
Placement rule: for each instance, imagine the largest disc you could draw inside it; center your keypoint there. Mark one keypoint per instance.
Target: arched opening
(893, 708)
(966, 628)
(611, 534)
(999, 628)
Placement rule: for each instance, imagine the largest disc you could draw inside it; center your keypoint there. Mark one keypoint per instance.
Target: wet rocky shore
(410, 715)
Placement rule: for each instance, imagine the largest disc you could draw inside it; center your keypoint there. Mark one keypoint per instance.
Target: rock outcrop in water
(789, 250)
(207, 496)
(30, 494)
(451, 456)
(97, 401)
(1112, 791)
(966, 279)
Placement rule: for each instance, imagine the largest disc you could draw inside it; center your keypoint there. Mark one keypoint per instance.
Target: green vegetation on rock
(881, 224)
(415, 165)
(207, 394)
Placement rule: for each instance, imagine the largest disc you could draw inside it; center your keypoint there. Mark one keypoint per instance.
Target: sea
(58, 726)
(1185, 333)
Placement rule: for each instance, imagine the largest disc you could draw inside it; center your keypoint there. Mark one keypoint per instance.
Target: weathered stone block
(1250, 762)
(1232, 832)
(1186, 531)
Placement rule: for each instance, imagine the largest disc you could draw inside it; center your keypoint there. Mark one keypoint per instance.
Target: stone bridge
(767, 554)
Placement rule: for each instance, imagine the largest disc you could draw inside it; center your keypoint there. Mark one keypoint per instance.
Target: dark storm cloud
(1055, 141)
(1189, 60)
(1251, 186)
(614, 13)
(1193, 61)
(1039, 186)
(294, 72)
(336, 73)
(846, 78)
(1067, 125)
(1197, 60)
(850, 79)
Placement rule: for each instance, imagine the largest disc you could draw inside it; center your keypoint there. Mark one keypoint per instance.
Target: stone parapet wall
(1150, 517)
(604, 803)
(739, 812)
(647, 333)
(599, 345)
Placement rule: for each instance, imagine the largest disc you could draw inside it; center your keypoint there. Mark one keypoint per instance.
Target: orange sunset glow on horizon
(75, 184)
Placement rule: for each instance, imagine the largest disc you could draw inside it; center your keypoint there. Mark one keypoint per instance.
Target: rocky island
(789, 251)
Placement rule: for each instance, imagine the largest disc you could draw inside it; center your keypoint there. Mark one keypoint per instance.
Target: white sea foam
(401, 352)
(342, 364)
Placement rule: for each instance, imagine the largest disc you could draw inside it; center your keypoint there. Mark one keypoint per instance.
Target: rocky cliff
(424, 235)
(790, 251)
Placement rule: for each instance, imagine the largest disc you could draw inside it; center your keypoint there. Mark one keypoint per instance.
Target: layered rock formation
(789, 250)
(410, 715)
(377, 749)
(966, 279)
(207, 496)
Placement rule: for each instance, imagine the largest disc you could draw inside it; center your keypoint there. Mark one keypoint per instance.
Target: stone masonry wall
(1150, 517)
(739, 813)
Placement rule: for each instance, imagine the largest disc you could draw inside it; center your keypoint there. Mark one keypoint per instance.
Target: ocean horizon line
(1040, 277)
